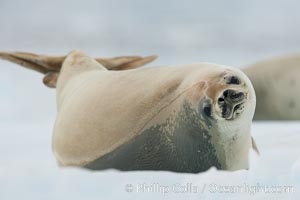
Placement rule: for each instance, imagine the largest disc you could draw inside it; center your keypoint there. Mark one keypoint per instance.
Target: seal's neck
(233, 142)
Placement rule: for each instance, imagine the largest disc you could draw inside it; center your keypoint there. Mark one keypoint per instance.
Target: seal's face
(230, 102)
(229, 94)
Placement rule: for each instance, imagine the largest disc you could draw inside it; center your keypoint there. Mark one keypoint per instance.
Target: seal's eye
(207, 110)
(233, 80)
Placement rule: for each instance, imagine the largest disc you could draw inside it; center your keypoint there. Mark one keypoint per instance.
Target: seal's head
(230, 105)
(230, 96)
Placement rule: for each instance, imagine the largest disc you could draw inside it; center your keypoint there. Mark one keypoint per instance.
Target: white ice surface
(28, 170)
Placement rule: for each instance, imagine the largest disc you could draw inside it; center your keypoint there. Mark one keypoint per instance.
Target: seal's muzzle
(231, 103)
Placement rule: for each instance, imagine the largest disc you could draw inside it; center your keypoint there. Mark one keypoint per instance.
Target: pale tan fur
(99, 110)
(277, 85)
(51, 65)
(95, 118)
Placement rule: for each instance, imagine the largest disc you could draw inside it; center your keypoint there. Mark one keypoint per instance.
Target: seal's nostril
(232, 95)
(237, 96)
(220, 100)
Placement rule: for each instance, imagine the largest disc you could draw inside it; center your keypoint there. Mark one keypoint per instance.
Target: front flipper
(254, 146)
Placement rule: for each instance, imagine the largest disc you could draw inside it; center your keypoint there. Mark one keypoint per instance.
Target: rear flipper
(50, 66)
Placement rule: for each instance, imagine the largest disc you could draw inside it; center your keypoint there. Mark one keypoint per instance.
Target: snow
(28, 170)
(234, 33)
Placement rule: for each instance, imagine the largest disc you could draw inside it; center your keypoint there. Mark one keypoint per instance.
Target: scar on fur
(50, 65)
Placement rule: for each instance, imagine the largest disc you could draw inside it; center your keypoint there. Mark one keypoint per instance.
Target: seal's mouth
(231, 104)
(230, 113)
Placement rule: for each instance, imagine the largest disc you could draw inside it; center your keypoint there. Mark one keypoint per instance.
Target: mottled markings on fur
(187, 149)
